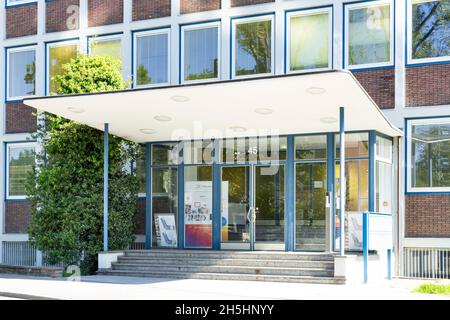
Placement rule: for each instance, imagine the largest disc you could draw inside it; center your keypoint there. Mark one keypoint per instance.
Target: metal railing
(426, 263)
(18, 253)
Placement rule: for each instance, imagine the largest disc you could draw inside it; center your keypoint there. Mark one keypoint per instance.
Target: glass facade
(430, 29)
(201, 53)
(369, 34)
(58, 55)
(309, 40)
(21, 72)
(106, 47)
(152, 58)
(253, 47)
(20, 162)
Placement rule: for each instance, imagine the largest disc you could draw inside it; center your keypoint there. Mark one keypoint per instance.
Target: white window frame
(106, 38)
(49, 45)
(369, 4)
(409, 57)
(199, 26)
(10, 3)
(234, 23)
(140, 34)
(10, 51)
(409, 158)
(302, 13)
(8, 147)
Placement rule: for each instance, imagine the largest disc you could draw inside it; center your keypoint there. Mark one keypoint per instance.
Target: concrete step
(228, 262)
(226, 276)
(312, 240)
(311, 246)
(223, 254)
(317, 272)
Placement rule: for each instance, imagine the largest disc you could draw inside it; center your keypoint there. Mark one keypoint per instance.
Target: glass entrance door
(252, 207)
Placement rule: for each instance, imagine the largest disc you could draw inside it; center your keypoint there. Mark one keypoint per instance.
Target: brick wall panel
(21, 21)
(60, 15)
(238, 3)
(380, 85)
(104, 12)
(19, 118)
(428, 85)
(144, 9)
(190, 6)
(17, 216)
(427, 215)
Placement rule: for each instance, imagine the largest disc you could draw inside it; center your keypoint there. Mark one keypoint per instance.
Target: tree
(142, 75)
(65, 189)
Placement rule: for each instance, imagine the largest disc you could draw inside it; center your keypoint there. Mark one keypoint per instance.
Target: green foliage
(432, 288)
(66, 187)
(142, 75)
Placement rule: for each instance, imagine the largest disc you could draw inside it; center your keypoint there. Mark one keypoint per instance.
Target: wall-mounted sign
(166, 231)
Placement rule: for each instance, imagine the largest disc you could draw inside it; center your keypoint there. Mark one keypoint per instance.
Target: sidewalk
(109, 287)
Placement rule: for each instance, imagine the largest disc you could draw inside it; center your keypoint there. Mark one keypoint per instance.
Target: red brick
(427, 215)
(21, 21)
(380, 85)
(145, 9)
(17, 216)
(238, 3)
(104, 12)
(428, 85)
(60, 15)
(190, 6)
(19, 118)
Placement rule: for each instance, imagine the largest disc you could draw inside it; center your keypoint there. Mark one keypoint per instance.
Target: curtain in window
(369, 35)
(58, 56)
(108, 47)
(309, 42)
(201, 54)
(152, 59)
(22, 73)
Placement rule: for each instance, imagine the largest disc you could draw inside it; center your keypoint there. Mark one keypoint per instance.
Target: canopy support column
(105, 186)
(342, 180)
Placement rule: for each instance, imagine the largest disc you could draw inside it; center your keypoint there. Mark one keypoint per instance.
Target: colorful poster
(166, 231)
(198, 214)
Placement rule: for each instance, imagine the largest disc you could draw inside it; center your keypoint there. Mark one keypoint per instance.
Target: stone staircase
(310, 238)
(227, 265)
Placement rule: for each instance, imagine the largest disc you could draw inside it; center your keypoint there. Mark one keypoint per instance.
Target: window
(384, 176)
(20, 162)
(21, 77)
(252, 49)
(11, 3)
(58, 54)
(428, 30)
(309, 35)
(200, 56)
(429, 154)
(106, 46)
(152, 56)
(369, 35)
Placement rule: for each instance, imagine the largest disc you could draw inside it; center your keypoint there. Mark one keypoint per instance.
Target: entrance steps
(227, 265)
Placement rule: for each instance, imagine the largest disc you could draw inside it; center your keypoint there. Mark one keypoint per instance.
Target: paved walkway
(112, 287)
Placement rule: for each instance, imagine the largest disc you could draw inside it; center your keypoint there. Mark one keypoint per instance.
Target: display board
(165, 229)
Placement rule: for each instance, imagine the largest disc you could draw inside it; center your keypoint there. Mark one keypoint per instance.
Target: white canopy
(289, 104)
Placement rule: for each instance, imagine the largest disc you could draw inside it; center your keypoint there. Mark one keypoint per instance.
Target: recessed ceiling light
(147, 131)
(238, 129)
(315, 90)
(263, 111)
(162, 118)
(75, 109)
(179, 98)
(328, 120)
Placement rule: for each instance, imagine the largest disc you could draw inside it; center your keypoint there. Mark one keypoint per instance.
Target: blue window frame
(151, 60)
(369, 34)
(428, 155)
(17, 3)
(428, 29)
(20, 160)
(200, 52)
(20, 72)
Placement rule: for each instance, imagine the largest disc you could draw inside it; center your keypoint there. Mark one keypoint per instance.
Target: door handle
(251, 215)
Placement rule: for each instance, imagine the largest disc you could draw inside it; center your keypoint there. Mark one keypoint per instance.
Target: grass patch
(432, 288)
